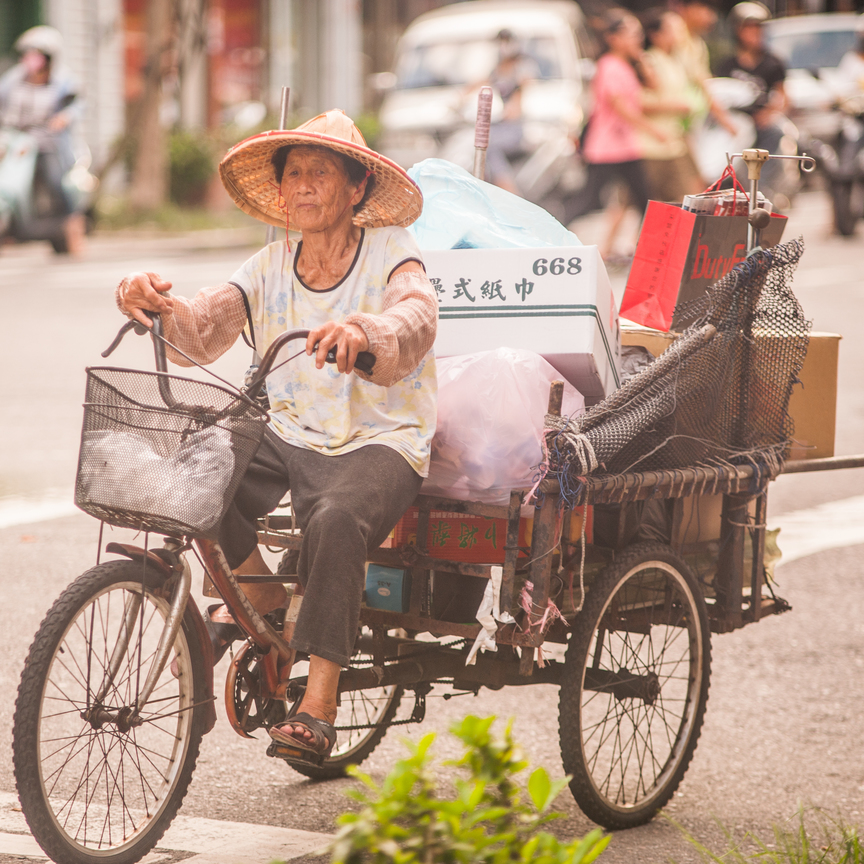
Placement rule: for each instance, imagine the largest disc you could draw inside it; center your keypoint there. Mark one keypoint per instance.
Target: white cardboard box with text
(555, 301)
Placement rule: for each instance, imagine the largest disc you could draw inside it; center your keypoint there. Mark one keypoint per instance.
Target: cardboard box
(655, 341)
(813, 405)
(554, 301)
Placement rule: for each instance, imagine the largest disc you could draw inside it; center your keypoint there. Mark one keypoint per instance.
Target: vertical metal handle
(481, 131)
(283, 122)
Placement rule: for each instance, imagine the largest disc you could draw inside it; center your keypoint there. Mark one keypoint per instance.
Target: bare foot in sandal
(311, 728)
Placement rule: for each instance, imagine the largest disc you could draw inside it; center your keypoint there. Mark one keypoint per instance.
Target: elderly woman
(352, 448)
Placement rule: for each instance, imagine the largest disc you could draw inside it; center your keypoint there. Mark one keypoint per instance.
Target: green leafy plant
(830, 841)
(192, 164)
(405, 820)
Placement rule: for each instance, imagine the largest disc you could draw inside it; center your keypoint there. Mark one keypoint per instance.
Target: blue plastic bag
(462, 212)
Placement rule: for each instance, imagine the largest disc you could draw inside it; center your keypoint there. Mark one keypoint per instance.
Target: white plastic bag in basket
(491, 407)
(205, 461)
(188, 485)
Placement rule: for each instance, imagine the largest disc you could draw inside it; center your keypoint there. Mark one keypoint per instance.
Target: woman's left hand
(348, 340)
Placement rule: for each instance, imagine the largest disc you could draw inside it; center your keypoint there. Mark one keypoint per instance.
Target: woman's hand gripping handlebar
(365, 361)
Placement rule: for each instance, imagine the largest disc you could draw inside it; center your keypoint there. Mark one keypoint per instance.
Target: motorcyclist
(851, 66)
(39, 97)
(754, 63)
(511, 72)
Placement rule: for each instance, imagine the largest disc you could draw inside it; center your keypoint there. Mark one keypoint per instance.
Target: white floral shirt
(308, 404)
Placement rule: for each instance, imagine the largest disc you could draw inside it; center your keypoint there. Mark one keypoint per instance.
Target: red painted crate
(472, 539)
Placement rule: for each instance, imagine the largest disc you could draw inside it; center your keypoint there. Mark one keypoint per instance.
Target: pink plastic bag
(491, 407)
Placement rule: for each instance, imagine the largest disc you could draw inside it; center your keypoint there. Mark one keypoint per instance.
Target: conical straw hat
(247, 173)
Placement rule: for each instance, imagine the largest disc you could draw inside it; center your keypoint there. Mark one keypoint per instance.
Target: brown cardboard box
(813, 405)
(656, 341)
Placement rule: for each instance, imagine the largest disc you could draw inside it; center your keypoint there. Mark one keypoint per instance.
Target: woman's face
(664, 37)
(317, 190)
(627, 39)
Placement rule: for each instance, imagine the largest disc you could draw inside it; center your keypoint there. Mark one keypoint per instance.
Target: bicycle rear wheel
(635, 686)
(97, 781)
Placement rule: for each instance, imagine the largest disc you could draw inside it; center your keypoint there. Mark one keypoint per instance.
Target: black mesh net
(718, 396)
(162, 453)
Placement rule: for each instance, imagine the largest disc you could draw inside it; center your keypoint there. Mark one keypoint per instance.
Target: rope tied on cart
(716, 400)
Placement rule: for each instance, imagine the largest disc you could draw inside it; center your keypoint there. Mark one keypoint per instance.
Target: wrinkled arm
(204, 327)
(404, 332)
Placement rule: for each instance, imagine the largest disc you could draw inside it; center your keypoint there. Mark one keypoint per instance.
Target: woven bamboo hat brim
(247, 173)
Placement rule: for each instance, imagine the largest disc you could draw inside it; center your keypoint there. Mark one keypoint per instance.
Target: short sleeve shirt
(766, 74)
(610, 138)
(321, 409)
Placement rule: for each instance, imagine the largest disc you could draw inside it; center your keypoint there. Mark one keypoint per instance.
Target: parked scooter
(28, 209)
(841, 159)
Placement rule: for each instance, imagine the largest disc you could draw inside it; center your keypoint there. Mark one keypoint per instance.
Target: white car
(811, 47)
(443, 54)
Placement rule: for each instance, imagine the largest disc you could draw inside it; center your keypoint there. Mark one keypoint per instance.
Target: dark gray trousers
(345, 506)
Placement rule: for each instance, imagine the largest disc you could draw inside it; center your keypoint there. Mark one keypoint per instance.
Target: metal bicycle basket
(162, 453)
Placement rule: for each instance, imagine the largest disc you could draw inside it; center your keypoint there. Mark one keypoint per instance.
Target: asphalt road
(784, 722)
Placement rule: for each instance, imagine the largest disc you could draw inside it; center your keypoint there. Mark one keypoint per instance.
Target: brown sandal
(324, 735)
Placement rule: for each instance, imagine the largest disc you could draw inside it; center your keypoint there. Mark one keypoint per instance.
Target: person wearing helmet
(506, 136)
(754, 63)
(38, 97)
(851, 66)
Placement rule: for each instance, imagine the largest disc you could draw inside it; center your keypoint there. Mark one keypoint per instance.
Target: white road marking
(828, 526)
(210, 841)
(51, 505)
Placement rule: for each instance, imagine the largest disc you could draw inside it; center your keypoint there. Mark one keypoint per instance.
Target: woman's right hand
(140, 291)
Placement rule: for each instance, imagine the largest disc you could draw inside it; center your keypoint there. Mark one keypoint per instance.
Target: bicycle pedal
(293, 754)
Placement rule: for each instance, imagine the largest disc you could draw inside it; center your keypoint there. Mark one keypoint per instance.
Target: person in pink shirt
(610, 144)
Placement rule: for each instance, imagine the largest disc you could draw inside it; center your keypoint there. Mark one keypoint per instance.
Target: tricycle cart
(117, 691)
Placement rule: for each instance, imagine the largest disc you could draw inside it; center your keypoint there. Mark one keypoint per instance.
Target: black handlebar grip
(365, 361)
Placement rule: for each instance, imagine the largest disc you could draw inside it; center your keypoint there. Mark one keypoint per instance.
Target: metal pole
(754, 159)
(481, 131)
(283, 122)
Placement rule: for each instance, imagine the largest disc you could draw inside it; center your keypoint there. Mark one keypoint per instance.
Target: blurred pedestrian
(699, 17)
(512, 70)
(755, 64)
(670, 103)
(611, 146)
(37, 96)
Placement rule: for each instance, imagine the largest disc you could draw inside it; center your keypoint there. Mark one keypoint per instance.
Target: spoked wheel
(635, 686)
(98, 780)
(364, 716)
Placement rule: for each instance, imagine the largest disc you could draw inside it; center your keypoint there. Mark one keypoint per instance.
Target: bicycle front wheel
(98, 780)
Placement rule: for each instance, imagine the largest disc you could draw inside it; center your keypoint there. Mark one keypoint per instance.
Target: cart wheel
(363, 719)
(97, 781)
(634, 686)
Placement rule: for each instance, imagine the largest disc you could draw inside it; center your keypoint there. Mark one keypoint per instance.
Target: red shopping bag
(679, 256)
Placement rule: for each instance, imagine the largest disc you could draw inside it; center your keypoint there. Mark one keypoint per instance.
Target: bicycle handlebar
(365, 361)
